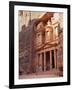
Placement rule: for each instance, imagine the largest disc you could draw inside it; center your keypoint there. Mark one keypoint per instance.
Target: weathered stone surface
(29, 49)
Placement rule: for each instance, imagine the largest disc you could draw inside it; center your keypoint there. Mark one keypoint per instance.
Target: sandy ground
(38, 75)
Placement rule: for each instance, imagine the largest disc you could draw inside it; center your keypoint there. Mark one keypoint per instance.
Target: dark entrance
(48, 60)
(53, 64)
(42, 61)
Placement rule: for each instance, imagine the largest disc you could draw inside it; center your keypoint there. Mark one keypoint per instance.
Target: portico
(47, 60)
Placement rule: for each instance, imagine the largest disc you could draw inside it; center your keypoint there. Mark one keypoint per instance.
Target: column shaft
(40, 62)
(55, 58)
(44, 61)
(50, 60)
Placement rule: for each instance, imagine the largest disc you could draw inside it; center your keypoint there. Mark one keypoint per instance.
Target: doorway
(42, 61)
(48, 60)
(53, 64)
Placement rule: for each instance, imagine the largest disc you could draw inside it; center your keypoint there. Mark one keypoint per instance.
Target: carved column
(40, 62)
(44, 61)
(37, 63)
(55, 58)
(50, 60)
